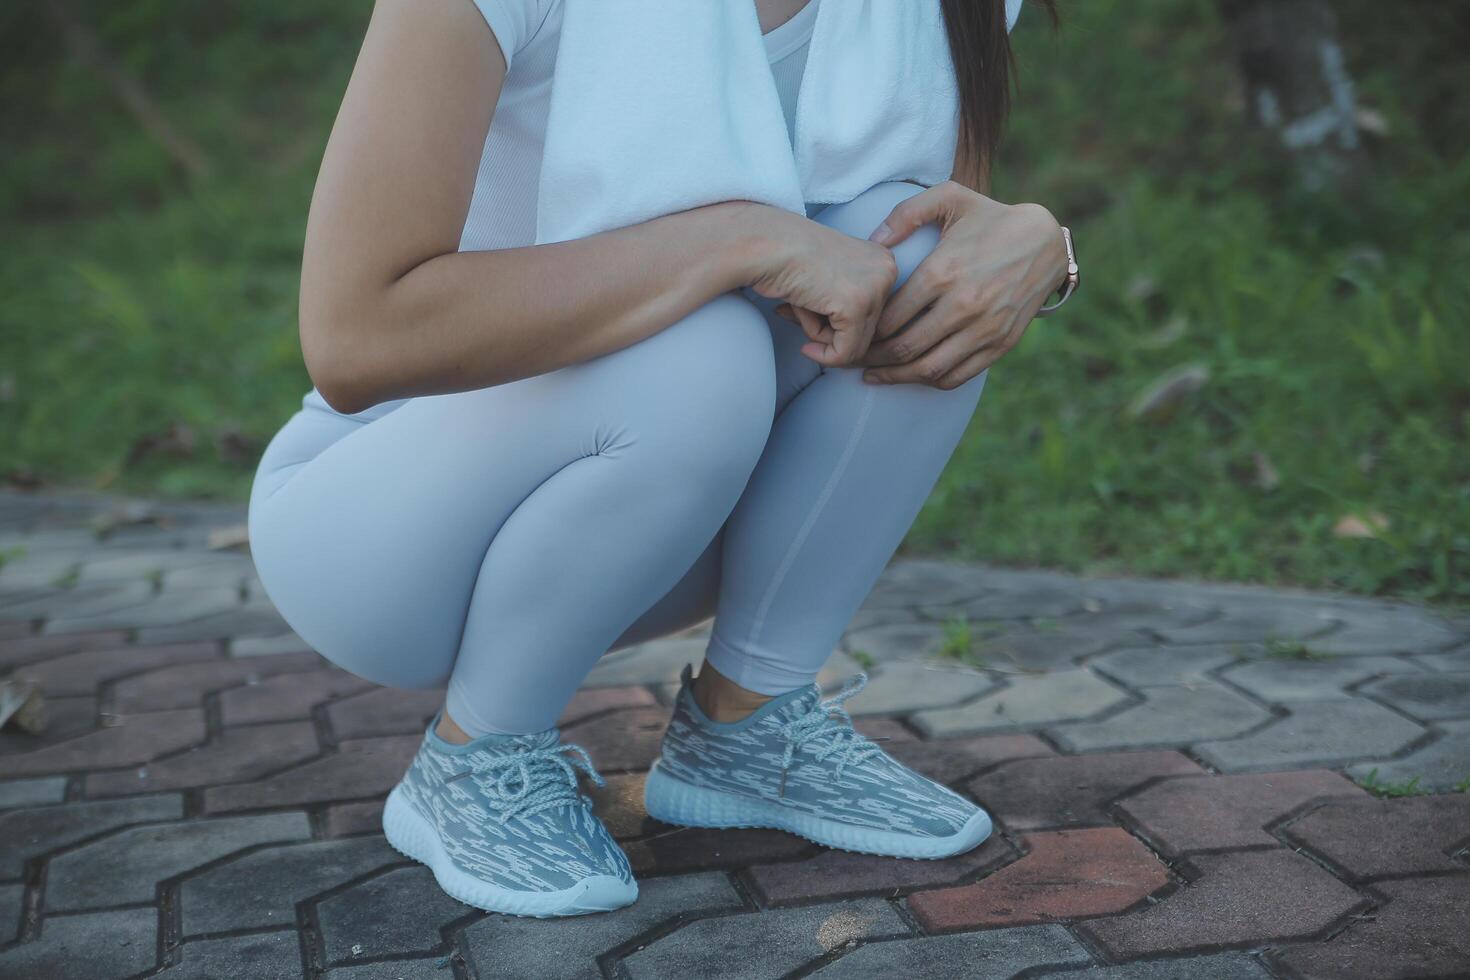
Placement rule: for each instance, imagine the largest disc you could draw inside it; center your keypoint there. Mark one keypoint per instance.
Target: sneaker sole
(674, 801)
(414, 837)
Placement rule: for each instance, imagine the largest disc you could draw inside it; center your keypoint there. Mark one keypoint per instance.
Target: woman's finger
(920, 291)
(931, 204)
(932, 367)
(945, 318)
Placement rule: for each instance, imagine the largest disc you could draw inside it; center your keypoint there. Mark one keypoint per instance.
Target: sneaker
(798, 765)
(503, 826)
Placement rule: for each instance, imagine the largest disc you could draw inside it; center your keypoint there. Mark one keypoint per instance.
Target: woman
(521, 453)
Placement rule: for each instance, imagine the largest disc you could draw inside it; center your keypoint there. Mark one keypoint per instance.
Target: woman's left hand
(972, 298)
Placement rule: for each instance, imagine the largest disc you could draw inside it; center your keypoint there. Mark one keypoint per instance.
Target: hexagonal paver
(1419, 931)
(98, 946)
(953, 759)
(1066, 874)
(674, 850)
(362, 767)
(771, 944)
(30, 792)
(654, 662)
(160, 609)
(1160, 665)
(1220, 966)
(1385, 630)
(1316, 733)
(516, 948)
(1412, 835)
(185, 685)
(1070, 791)
(384, 711)
(256, 957)
(12, 906)
(287, 697)
(261, 889)
(926, 582)
(1043, 649)
(898, 641)
(34, 831)
(1437, 767)
(1030, 700)
(994, 953)
(1428, 697)
(81, 672)
(599, 700)
(1311, 679)
(1167, 716)
(1256, 622)
(236, 754)
(128, 741)
(265, 646)
(28, 648)
(399, 911)
(1216, 812)
(838, 874)
(1241, 898)
(124, 867)
(431, 967)
(904, 686)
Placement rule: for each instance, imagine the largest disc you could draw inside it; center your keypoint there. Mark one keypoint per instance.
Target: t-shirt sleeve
(1013, 11)
(513, 21)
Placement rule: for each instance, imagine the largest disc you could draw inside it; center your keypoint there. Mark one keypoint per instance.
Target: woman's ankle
(450, 731)
(721, 699)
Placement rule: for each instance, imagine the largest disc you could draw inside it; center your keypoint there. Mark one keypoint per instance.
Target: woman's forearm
(466, 320)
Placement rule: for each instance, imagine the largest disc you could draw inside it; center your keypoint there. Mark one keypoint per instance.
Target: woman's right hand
(832, 285)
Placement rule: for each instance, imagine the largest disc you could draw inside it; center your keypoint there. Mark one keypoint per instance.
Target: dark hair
(984, 68)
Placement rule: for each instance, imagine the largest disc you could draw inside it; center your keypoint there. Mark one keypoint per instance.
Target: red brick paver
(1412, 835)
(360, 768)
(839, 874)
(129, 740)
(1070, 791)
(238, 754)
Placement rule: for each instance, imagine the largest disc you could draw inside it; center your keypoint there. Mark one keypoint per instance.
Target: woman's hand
(834, 285)
(972, 298)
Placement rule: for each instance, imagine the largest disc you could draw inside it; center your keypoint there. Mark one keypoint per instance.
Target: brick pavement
(1177, 773)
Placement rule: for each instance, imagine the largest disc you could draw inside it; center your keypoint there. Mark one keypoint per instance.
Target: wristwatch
(1069, 286)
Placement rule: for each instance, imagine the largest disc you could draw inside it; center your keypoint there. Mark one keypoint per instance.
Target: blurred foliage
(148, 337)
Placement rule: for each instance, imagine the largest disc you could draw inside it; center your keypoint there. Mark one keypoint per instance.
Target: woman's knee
(861, 216)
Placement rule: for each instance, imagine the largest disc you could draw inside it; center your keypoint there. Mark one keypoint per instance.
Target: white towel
(659, 106)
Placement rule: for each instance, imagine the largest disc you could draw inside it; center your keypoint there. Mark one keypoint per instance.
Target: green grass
(1409, 787)
(147, 341)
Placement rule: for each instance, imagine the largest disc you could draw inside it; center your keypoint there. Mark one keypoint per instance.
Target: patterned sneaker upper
(802, 751)
(508, 810)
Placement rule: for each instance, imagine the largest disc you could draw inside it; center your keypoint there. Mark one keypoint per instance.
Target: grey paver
(262, 888)
(97, 946)
(1387, 629)
(923, 582)
(1168, 716)
(82, 601)
(1161, 665)
(265, 646)
(1428, 697)
(12, 898)
(262, 956)
(124, 867)
(1040, 699)
(1455, 660)
(898, 641)
(1311, 679)
(1257, 622)
(771, 944)
(1316, 733)
(654, 662)
(232, 624)
(31, 832)
(995, 953)
(1221, 966)
(397, 912)
(29, 792)
(1440, 766)
(512, 948)
(1039, 603)
(424, 968)
(151, 563)
(163, 609)
(1047, 649)
(904, 686)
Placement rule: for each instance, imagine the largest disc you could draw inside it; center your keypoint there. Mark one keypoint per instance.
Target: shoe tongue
(794, 703)
(510, 744)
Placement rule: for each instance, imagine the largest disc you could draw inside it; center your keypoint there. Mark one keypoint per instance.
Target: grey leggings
(504, 539)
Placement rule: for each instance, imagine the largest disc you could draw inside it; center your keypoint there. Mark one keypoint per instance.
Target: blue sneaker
(798, 765)
(503, 826)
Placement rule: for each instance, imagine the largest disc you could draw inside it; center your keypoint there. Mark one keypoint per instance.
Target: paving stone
(517, 948)
(14, 629)
(345, 819)
(1257, 622)
(161, 609)
(185, 685)
(771, 944)
(1132, 616)
(262, 888)
(920, 582)
(905, 686)
(264, 646)
(1065, 874)
(1040, 699)
(12, 906)
(594, 701)
(1044, 650)
(1242, 898)
(30, 832)
(80, 673)
(1215, 812)
(243, 621)
(384, 711)
(30, 792)
(887, 642)
(954, 759)
(24, 649)
(1387, 631)
(654, 662)
(1221, 966)
(1453, 661)
(287, 697)
(124, 867)
(1440, 766)
(66, 718)
(1316, 733)
(1070, 791)
(235, 755)
(361, 768)
(1418, 932)
(99, 946)
(1310, 680)
(263, 956)
(839, 874)
(619, 804)
(997, 953)
(1154, 666)
(151, 563)
(881, 729)
(424, 968)
(80, 602)
(676, 850)
(622, 740)
(399, 911)
(1409, 835)
(128, 741)
(1040, 603)
(1428, 697)
(1167, 716)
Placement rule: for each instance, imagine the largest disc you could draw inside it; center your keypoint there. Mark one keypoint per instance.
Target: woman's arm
(389, 308)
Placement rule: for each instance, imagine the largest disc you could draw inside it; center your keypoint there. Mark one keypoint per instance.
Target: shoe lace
(827, 728)
(527, 782)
